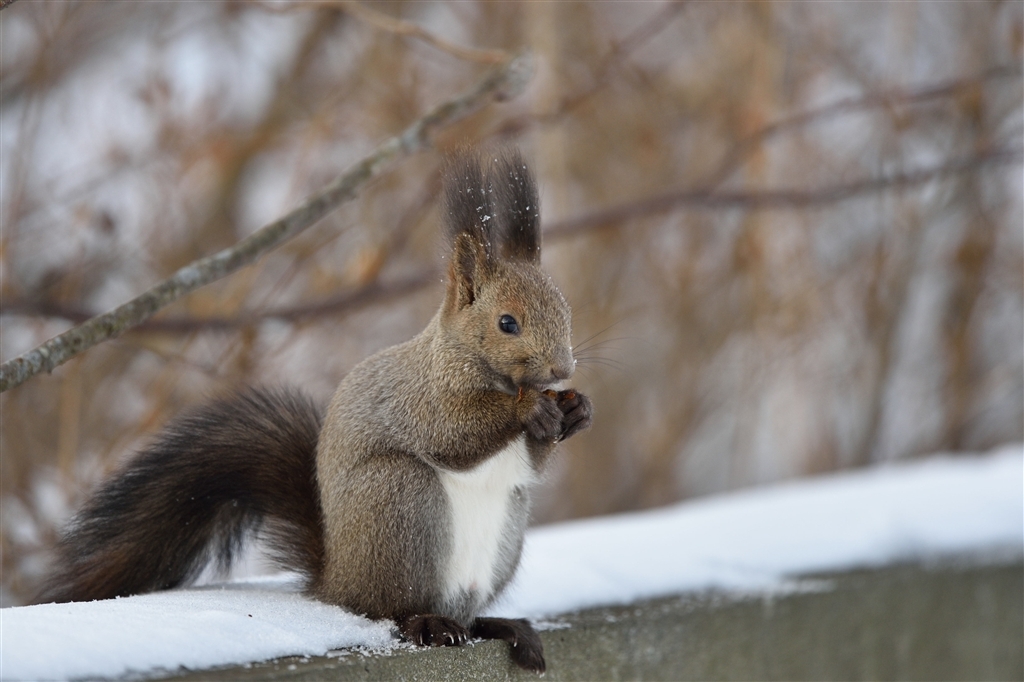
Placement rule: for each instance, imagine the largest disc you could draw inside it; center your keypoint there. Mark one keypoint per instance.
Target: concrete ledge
(905, 622)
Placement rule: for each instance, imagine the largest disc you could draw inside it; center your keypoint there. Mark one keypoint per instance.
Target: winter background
(858, 302)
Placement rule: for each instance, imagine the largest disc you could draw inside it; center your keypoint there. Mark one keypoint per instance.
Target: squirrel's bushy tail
(244, 462)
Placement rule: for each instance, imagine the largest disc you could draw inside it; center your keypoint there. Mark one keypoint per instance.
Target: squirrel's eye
(508, 324)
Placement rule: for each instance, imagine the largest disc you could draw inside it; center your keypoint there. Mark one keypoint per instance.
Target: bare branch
(343, 304)
(502, 83)
(390, 24)
(884, 98)
(612, 60)
(407, 28)
(890, 98)
(776, 199)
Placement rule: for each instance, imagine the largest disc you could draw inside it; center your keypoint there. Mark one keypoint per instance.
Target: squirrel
(409, 497)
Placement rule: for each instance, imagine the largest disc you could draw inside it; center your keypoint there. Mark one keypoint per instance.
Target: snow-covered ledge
(938, 539)
(954, 620)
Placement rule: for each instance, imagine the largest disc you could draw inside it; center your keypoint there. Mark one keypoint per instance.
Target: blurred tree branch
(884, 98)
(619, 52)
(375, 292)
(390, 24)
(778, 199)
(891, 98)
(347, 302)
(501, 83)
(407, 28)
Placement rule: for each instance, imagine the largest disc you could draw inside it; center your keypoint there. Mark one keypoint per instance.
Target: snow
(752, 540)
(197, 628)
(943, 507)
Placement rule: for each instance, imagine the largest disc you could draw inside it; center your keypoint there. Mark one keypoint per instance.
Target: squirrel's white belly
(479, 500)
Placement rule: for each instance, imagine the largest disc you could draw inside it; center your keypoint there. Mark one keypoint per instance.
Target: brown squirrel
(410, 497)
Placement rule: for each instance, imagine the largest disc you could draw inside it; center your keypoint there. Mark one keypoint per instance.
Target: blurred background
(791, 232)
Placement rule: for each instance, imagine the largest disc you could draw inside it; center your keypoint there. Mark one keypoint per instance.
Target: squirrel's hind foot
(431, 630)
(526, 648)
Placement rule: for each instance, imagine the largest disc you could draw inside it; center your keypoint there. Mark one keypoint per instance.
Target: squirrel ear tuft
(517, 208)
(468, 204)
(469, 220)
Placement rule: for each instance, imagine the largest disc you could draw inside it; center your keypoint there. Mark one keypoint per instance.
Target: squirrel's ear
(516, 208)
(468, 218)
(464, 272)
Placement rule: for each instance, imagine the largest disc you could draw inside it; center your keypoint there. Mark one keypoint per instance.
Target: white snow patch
(755, 540)
(194, 628)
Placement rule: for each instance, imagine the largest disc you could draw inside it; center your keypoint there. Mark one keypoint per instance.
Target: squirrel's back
(243, 463)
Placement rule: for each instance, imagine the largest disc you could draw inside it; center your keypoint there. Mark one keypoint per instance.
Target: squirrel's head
(500, 308)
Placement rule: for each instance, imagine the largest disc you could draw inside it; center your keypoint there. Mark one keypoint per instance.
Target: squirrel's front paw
(576, 410)
(557, 416)
(544, 422)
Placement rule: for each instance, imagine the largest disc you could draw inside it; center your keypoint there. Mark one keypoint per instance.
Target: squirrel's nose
(563, 369)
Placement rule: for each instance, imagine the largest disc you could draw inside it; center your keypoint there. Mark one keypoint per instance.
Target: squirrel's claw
(577, 411)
